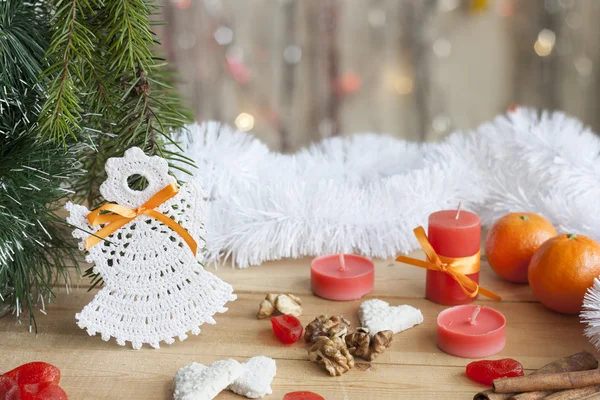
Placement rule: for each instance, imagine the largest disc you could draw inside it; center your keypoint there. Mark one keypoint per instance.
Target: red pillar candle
(342, 277)
(452, 233)
(471, 331)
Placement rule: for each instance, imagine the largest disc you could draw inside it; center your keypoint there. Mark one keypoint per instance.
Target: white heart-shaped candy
(255, 381)
(199, 382)
(252, 380)
(377, 315)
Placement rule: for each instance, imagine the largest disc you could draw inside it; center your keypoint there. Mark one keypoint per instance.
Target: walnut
(288, 304)
(324, 325)
(265, 309)
(362, 345)
(283, 303)
(333, 354)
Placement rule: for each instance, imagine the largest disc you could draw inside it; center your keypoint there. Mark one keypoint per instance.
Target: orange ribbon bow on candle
(457, 268)
(122, 215)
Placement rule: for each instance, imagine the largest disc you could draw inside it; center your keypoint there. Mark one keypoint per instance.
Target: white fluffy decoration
(366, 193)
(155, 289)
(362, 194)
(590, 313)
(377, 315)
(544, 163)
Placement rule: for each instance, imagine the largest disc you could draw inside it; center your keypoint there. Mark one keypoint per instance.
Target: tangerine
(562, 270)
(511, 242)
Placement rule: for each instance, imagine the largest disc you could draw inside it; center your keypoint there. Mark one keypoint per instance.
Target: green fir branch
(36, 248)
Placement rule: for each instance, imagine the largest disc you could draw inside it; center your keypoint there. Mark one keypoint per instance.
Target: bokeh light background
(295, 71)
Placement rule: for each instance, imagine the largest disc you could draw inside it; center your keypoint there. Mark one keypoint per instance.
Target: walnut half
(333, 354)
(362, 345)
(324, 325)
(283, 303)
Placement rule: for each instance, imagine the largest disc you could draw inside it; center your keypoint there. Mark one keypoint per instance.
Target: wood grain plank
(391, 279)
(412, 368)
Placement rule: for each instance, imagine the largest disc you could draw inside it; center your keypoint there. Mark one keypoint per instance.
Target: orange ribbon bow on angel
(457, 268)
(120, 215)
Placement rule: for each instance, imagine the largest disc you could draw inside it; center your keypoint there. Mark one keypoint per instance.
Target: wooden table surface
(412, 368)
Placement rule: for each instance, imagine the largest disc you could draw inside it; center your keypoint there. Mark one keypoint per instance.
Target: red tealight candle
(457, 234)
(342, 277)
(471, 331)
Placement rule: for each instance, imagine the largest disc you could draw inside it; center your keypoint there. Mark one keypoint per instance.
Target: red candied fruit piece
(287, 328)
(486, 371)
(302, 396)
(9, 389)
(43, 391)
(35, 372)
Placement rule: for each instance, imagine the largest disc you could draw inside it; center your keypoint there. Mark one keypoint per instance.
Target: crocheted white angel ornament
(155, 288)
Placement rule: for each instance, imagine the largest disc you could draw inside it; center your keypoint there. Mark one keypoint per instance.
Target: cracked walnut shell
(362, 345)
(333, 354)
(324, 325)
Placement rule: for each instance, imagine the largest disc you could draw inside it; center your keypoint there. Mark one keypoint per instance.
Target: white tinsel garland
(367, 192)
(546, 164)
(360, 194)
(591, 313)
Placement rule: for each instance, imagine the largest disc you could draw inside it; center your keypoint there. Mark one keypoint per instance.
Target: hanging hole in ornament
(137, 182)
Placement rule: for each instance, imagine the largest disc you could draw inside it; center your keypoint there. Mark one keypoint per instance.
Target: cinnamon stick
(531, 383)
(491, 395)
(532, 395)
(575, 362)
(574, 394)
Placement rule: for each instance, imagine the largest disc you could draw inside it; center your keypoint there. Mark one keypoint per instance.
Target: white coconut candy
(377, 315)
(254, 381)
(199, 382)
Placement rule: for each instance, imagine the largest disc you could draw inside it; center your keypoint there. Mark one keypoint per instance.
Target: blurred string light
(545, 42)
(244, 122)
(399, 81)
(441, 123)
(505, 8)
(292, 54)
(183, 4)
(442, 47)
(376, 17)
(348, 83)
(403, 85)
(478, 6)
(223, 35)
(448, 5)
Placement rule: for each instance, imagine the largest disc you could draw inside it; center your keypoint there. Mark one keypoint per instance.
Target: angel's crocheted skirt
(162, 316)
